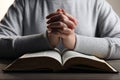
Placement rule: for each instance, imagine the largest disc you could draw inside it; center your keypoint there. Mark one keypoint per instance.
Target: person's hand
(68, 38)
(53, 38)
(61, 16)
(62, 25)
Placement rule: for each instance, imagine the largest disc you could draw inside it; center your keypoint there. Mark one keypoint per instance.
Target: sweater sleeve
(12, 42)
(107, 45)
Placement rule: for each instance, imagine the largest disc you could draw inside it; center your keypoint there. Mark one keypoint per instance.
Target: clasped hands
(61, 25)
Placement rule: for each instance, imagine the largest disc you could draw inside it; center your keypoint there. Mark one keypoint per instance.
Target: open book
(54, 61)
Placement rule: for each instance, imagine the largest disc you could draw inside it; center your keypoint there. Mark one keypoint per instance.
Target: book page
(51, 54)
(75, 58)
(45, 60)
(71, 54)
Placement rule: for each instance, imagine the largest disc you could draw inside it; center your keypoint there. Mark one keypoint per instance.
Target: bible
(70, 61)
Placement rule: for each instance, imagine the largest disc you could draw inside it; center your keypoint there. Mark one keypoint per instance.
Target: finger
(51, 15)
(57, 25)
(70, 17)
(66, 31)
(53, 34)
(55, 13)
(49, 30)
(59, 10)
(54, 18)
(62, 33)
(58, 17)
(69, 23)
(64, 19)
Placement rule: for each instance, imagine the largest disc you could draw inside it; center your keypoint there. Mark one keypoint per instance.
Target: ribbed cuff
(92, 46)
(31, 43)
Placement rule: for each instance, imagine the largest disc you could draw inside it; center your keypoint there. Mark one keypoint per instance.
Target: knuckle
(62, 16)
(60, 23)
(63, 20)
(72, 24)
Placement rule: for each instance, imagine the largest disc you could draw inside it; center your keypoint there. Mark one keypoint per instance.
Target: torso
(83, 10)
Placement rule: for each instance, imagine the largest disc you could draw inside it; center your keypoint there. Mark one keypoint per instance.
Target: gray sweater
(23, 29)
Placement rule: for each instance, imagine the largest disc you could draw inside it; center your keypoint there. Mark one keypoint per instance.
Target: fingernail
(65, 28)
(49, 31)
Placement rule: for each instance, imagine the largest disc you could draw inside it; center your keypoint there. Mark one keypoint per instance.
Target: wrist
(70, 41)
(52, 39)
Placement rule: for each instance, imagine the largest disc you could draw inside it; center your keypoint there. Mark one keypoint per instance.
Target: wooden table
(59, 76)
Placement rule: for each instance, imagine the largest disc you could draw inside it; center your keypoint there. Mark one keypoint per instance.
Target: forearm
(93, 46)
(6, 47)
(14, 47)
